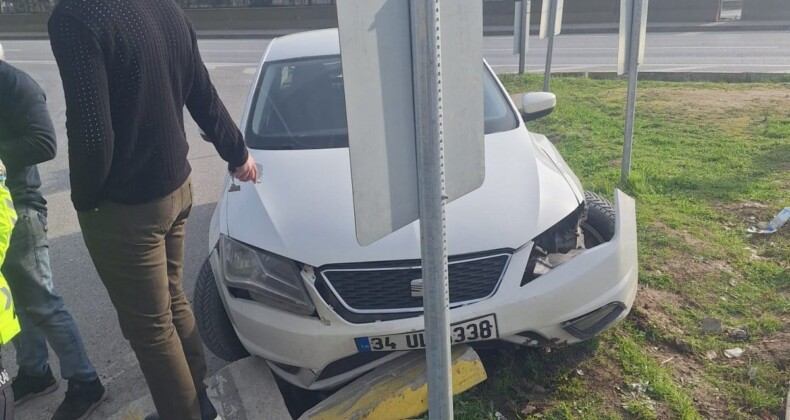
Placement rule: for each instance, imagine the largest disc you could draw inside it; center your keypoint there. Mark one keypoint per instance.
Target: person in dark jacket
(27, 138)
(129, 68)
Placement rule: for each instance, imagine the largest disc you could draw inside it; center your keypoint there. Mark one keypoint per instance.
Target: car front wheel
(599, 226)
(212, 320)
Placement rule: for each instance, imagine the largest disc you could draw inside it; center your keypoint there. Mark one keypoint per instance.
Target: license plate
(478, 329)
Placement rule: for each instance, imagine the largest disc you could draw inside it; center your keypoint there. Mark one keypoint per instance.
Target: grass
(709, 161)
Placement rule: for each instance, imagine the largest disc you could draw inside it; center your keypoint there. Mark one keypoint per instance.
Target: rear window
(301, 105)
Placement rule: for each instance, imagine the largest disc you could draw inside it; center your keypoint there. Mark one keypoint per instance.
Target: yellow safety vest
(9, 324)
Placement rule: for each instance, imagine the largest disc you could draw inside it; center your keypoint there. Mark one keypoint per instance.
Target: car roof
(304, 45)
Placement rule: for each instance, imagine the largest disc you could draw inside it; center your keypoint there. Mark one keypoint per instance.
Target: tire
(212, 319)
(599, 226)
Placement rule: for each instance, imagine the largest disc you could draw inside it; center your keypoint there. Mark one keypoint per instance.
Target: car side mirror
(535, 105)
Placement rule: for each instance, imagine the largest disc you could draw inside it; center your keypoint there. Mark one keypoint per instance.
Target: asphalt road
(232, 64)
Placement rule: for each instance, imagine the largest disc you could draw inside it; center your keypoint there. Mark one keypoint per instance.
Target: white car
(534, 259)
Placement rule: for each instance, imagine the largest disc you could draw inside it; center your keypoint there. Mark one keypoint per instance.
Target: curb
(613, 29)
(686, 77)
(246, 390)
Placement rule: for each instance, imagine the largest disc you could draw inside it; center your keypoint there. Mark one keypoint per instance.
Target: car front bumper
(303, 349)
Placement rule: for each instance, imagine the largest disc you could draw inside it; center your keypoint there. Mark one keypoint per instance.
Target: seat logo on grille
(416, 288)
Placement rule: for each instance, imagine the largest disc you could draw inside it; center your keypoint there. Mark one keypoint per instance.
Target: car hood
(303, 208)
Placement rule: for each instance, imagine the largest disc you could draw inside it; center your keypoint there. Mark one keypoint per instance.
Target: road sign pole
(550, 49)
(633, 75)
(426, 45)
(525, 29)
(524, 7)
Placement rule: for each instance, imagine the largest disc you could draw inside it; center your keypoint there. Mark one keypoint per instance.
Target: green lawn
(709, 161)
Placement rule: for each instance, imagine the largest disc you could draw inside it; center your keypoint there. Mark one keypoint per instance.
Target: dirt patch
(774, 349)
(717, 99)
(687, 237)
(649, 316)
(687, 372)
(605, 378)
(689, 267)
(670, 350)
(746, 211)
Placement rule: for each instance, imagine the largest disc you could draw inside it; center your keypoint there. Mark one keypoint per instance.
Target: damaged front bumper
(570, 303)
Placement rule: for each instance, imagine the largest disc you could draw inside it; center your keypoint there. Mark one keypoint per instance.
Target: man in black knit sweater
(129, 67)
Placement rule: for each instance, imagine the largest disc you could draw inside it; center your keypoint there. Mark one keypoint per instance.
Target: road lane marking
(215, 66)
(231, 51)
(210, 66)
(690, 68)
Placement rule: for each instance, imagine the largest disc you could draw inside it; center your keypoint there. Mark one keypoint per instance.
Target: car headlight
(268, 278)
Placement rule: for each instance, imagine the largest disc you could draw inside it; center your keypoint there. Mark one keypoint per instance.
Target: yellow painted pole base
(398, 389)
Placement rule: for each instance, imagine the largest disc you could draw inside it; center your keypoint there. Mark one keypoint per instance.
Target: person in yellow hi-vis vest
(9, 325)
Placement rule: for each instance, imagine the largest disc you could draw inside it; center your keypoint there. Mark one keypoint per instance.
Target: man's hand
(247, 172)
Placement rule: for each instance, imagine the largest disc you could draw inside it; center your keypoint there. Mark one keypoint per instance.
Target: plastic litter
(774, 225)
(739, 334)
(733, 353)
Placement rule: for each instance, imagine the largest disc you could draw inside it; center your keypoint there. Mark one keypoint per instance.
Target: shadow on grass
(775, 159)
(518, 376)
(711, 181)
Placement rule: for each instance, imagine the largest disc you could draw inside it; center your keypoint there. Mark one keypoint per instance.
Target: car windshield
(300, 104)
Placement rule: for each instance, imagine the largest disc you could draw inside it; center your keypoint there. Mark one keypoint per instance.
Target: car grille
(390, 287)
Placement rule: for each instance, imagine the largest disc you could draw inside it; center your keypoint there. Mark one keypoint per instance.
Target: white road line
(690, 68)
(212, 66)
(231, 51)
(31, 61)
(208, 65)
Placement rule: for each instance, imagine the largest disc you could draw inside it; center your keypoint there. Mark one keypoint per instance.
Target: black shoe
(27, 387)
(81, 399)
(207, 410)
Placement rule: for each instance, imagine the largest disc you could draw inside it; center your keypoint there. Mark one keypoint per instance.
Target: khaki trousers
(138, 251)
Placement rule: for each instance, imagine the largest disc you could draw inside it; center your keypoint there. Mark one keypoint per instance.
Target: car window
(300, 104)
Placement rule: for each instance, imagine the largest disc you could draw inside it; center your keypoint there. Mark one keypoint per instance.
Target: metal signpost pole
(525, 33)
(426, 44)
(550, 48)
(523, 7)
(633, 73)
